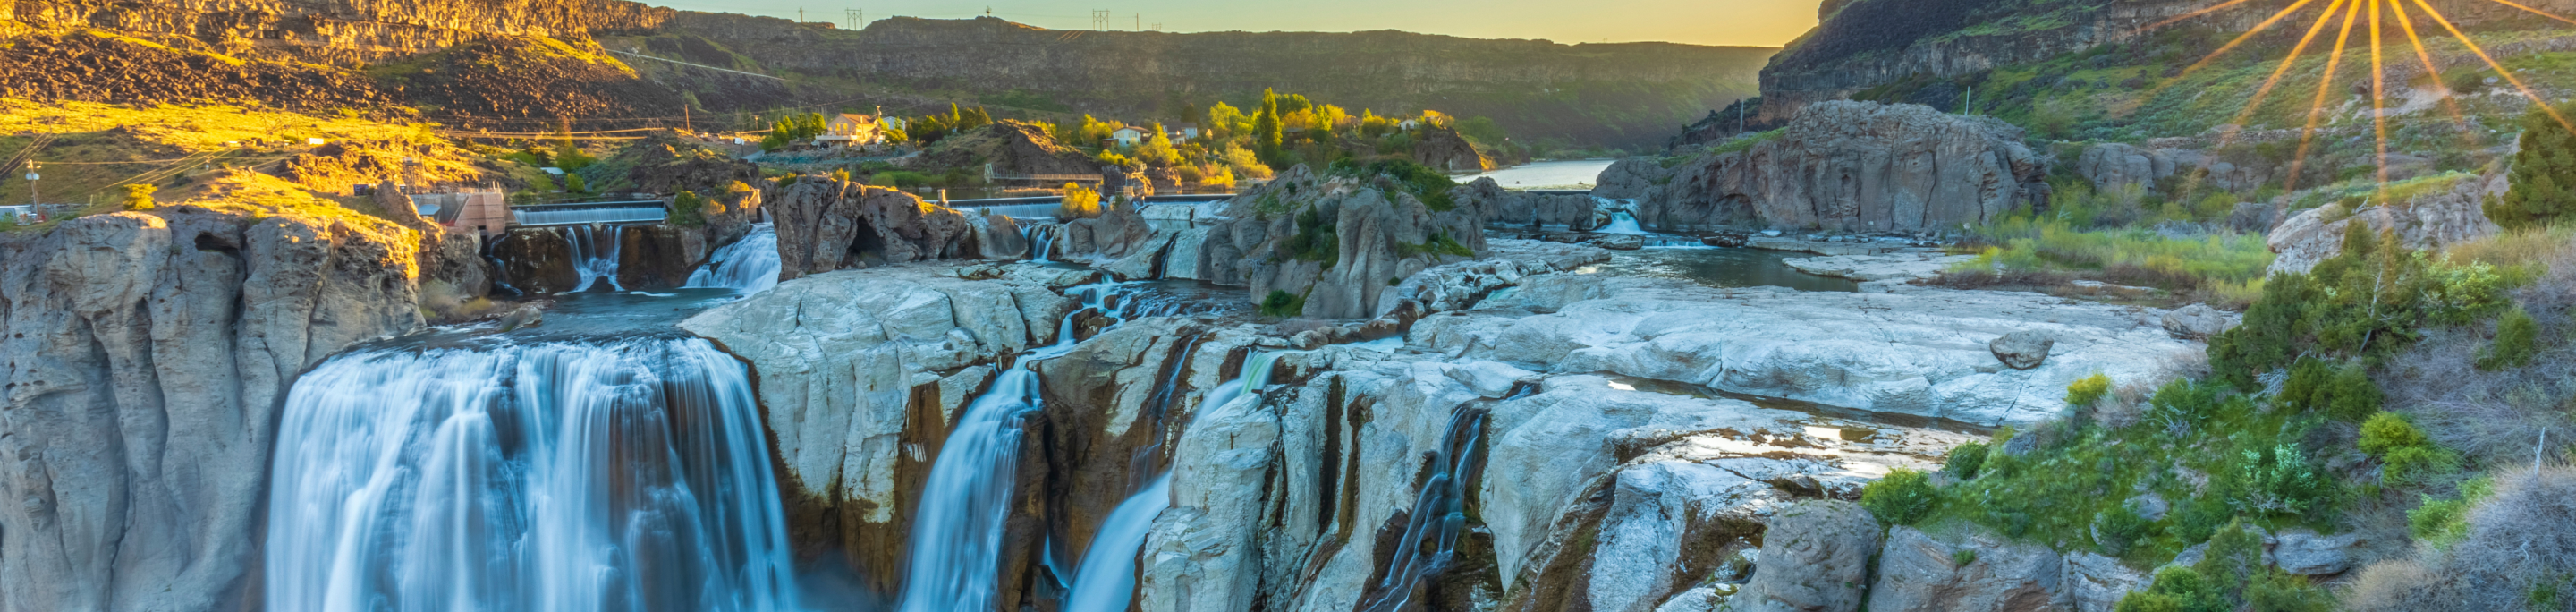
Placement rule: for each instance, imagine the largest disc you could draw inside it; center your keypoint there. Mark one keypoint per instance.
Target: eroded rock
(1815, 558)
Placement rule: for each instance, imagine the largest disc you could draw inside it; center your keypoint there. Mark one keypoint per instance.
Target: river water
(1569, 174)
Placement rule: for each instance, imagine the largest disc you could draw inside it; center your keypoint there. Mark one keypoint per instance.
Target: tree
(2515, 342)
(1157, 149)
(2543, 175)
(138, 196)
(1265, 124)
(1221, 121)
(688, 210)
(1080, 202)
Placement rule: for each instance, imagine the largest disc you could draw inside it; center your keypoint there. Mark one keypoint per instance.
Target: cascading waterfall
(1044, 239)
(1106, 580)
(1440, 510)
(591, 260)
(1622, 223)
(628, 474)
(749, 265)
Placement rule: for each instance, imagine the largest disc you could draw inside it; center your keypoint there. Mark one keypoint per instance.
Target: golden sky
(1767, 23)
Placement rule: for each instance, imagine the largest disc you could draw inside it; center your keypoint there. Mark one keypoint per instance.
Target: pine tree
(1265, 125)
(2543, 174)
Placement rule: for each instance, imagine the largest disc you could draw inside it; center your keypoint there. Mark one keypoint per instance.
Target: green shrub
(2176, 589)
(2371, 300)
(1962, 557)
(2117, 529)
(1965, 460)
(2388, 431)
(2515, 342)
(688, 210)
(2280, 480)
(1901, 498)
(2543, 175)
(1282, 304)
(2087, 390)
(2416, 465)
(2343, 392)
(2439, 522)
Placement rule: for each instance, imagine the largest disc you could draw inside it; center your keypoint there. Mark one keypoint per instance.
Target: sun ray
(2534, 11)
(2279, 72)
(2223, 49)
(2378, 100)
(2432, 71)
(2481, 52)
(2317, 107)
(2220, 7)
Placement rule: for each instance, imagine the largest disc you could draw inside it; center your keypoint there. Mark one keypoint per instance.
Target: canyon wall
(1623, 93)
(338, 31)
(1851, 166)
(148, 355)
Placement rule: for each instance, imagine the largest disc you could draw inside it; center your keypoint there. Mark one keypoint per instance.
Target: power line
(1100, 20)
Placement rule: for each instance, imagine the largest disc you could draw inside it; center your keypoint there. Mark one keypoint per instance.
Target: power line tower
(857, 17)
(1100, 20)
(1158, 27)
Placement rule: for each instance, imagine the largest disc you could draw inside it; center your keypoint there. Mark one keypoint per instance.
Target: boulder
(1815, 558)
(2431, 219)
(2022, 350)
(657, 257)
(2096, 583)
(536, 260)
(1271, 239)
(147, 355)
(2303, 552)
(2197, 322)
(1620, 242)
(1921, 573)
(1443, 149)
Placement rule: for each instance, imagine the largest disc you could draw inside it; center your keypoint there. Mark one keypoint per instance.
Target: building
(1127, 136)
(486, 213)
(22, 213)
(850, 129)
(1184, 131)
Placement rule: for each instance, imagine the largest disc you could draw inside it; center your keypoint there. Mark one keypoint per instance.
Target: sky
(1764, 23)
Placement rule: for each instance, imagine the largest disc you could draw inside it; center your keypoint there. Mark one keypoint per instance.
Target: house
(1184, 131)
(1127, 136)
(849, 129)
(1408, 124)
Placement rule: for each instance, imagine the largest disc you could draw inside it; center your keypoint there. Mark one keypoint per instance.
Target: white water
(568, 477)
(749, 265)
(1622, 223)
(588, 216)
(592, 260)
(1106, 580)
(1044, 239)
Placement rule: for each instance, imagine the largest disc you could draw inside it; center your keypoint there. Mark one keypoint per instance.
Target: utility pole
(800, 14)
(1140, 22)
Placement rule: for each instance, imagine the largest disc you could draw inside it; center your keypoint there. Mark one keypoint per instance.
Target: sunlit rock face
(147, 355)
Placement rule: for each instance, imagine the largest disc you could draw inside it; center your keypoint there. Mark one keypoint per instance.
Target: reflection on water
(1575, 174)
(1721, 267)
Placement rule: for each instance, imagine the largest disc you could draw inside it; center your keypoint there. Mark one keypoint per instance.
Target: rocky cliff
(1852, 166)
(336, 31)
(1630, 93)
(1860, 44)
(1012, 147)
(827, 224)
(148, 354)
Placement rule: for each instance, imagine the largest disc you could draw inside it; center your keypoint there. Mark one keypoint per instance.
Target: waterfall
(1044, 239)
(1439, 510)
(749, 265)
(1106, 580)
(1622, 223)
(628, 474)
(956, 538)
(591, 260)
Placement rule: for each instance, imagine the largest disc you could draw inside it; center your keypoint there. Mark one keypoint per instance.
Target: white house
(850, 128)
(1127, 136)
(1408, 124)
(1184, 131)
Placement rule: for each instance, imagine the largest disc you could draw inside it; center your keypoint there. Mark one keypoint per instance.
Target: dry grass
(2516, 247)
(2520, 554)
(2497, 416)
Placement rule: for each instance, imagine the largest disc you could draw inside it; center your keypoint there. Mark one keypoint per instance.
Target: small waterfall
(1106, 581)
(749, 265)
(1622, 223)
(1044, 238)
(1439, 511)
(592, 260)
(616, 475)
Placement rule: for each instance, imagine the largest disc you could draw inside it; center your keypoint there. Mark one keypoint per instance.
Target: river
(1568, 174)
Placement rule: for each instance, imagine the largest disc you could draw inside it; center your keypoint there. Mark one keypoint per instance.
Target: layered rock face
(1444, 150)
(1524, 209)
(2111, 166)
(1853, 166)
(147, 357)
(2431, 220)
(825, 224)
(861, 374)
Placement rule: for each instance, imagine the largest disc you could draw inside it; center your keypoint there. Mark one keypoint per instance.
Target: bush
(2388, 431)
(138, 196)
(2117, 529)
(1965, 460)
(2543, 175)
(2087, 390)
(2515, 342)
(1282, 304)
(1080, 202)
(2280, 480)
(2417, 465)
(2372, 300)
(1902, 498)
(688, 210)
